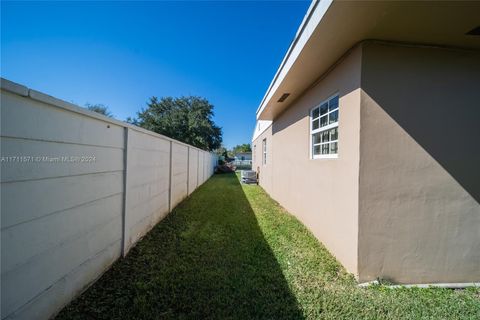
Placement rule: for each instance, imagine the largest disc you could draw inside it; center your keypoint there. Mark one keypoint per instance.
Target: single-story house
(243, 156)
(370, 134)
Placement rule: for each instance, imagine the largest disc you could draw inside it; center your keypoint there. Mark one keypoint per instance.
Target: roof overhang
(331, 27)
(260, 128)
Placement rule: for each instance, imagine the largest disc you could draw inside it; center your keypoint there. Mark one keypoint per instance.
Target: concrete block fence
(78, 190)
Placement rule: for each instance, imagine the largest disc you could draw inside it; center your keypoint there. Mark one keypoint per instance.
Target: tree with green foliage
(187, 119)
(99, 108)
(131, 121)
(221, 151)
(242, 148)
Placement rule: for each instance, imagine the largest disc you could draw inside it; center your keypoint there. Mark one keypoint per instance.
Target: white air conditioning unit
(249, 176)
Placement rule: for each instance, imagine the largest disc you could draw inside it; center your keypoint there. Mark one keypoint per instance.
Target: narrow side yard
(231, 252)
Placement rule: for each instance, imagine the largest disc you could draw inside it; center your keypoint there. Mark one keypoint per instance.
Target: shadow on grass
(207, 259)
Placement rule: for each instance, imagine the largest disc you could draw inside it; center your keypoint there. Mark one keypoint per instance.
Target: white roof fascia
(314, 15)
(260, 127)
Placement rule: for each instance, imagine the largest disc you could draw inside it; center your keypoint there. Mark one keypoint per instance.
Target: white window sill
(325, 156)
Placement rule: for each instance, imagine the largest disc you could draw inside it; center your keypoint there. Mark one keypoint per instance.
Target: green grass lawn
(231, 252)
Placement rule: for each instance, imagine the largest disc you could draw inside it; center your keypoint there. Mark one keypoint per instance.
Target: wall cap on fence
(13, 87)
(21, 90)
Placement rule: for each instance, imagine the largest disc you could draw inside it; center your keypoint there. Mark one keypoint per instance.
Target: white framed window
(324, 129)
(264, 150)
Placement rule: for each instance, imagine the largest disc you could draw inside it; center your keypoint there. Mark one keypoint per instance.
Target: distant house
(242, 156)
(369, 133)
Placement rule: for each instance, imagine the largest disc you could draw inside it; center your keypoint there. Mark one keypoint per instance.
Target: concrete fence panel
(206, 162)
(179, 174)
(147, 184)
(50, 226)
(213, 163)
(78, 190)
(201, 165)
(192, 170)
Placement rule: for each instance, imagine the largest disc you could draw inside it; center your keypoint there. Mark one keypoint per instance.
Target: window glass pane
(333, 116)
(324, 108)
(333, 103)
(325, 148)
(324, 115)
(324, 121)
(264, 151)
(333, 147)
(325, 137)
(333, 134)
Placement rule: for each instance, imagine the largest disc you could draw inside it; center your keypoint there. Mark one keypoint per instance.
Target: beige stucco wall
(419, 219)
(265, 170)
(322, 193)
